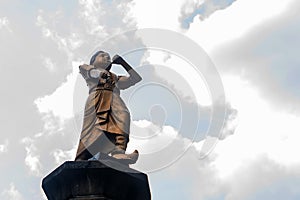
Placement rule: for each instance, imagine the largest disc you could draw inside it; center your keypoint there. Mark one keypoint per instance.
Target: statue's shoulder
(84, 70)
(86, 67)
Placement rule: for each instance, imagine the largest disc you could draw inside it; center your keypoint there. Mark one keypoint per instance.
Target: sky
(216, 116)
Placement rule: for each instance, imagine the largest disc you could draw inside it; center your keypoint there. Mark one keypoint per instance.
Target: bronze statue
(106, 123)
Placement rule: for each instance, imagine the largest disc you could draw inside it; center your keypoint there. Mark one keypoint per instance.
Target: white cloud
(4, 147)
(93, 25)
(259, 159)
(187, 72)
(62, 155)
(201, 8)
(159, 146)
(261, 176)
(150, 138)
(255, 177)
(102, 19)
(260, 131)
(49, 64)
(60, 102)
(261, 57)
(4, 23)
(12, 193)
(221, 26)
(32, 160)
(230, 123)
(189, 6)
(262, 154)
(47, 22)
(233, 22)
(48, 149)
(68, 43)
(157, 14)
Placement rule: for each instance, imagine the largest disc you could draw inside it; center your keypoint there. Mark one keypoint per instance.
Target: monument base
(91, 197)
(95, 180)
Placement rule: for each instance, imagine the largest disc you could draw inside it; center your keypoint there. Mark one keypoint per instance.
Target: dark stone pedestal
(94, 180)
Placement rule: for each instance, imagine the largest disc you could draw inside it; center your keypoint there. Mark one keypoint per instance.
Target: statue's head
(101, 59)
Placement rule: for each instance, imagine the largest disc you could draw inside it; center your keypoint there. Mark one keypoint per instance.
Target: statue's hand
(118, 60)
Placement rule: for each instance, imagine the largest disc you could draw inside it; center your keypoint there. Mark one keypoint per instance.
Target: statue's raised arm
(125, 82)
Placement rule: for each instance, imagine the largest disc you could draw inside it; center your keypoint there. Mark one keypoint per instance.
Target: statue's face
(102, 60)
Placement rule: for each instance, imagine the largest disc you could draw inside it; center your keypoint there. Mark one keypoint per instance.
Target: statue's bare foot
(127, 158)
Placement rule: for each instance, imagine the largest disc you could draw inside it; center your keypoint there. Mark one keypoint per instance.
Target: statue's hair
(92, 60)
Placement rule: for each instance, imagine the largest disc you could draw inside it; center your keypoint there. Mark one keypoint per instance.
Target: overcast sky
(251, 45)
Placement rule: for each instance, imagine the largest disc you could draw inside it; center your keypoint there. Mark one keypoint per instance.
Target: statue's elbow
(134, 80)
(139, 79)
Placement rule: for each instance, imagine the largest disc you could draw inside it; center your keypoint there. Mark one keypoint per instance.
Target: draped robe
(104, 108)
